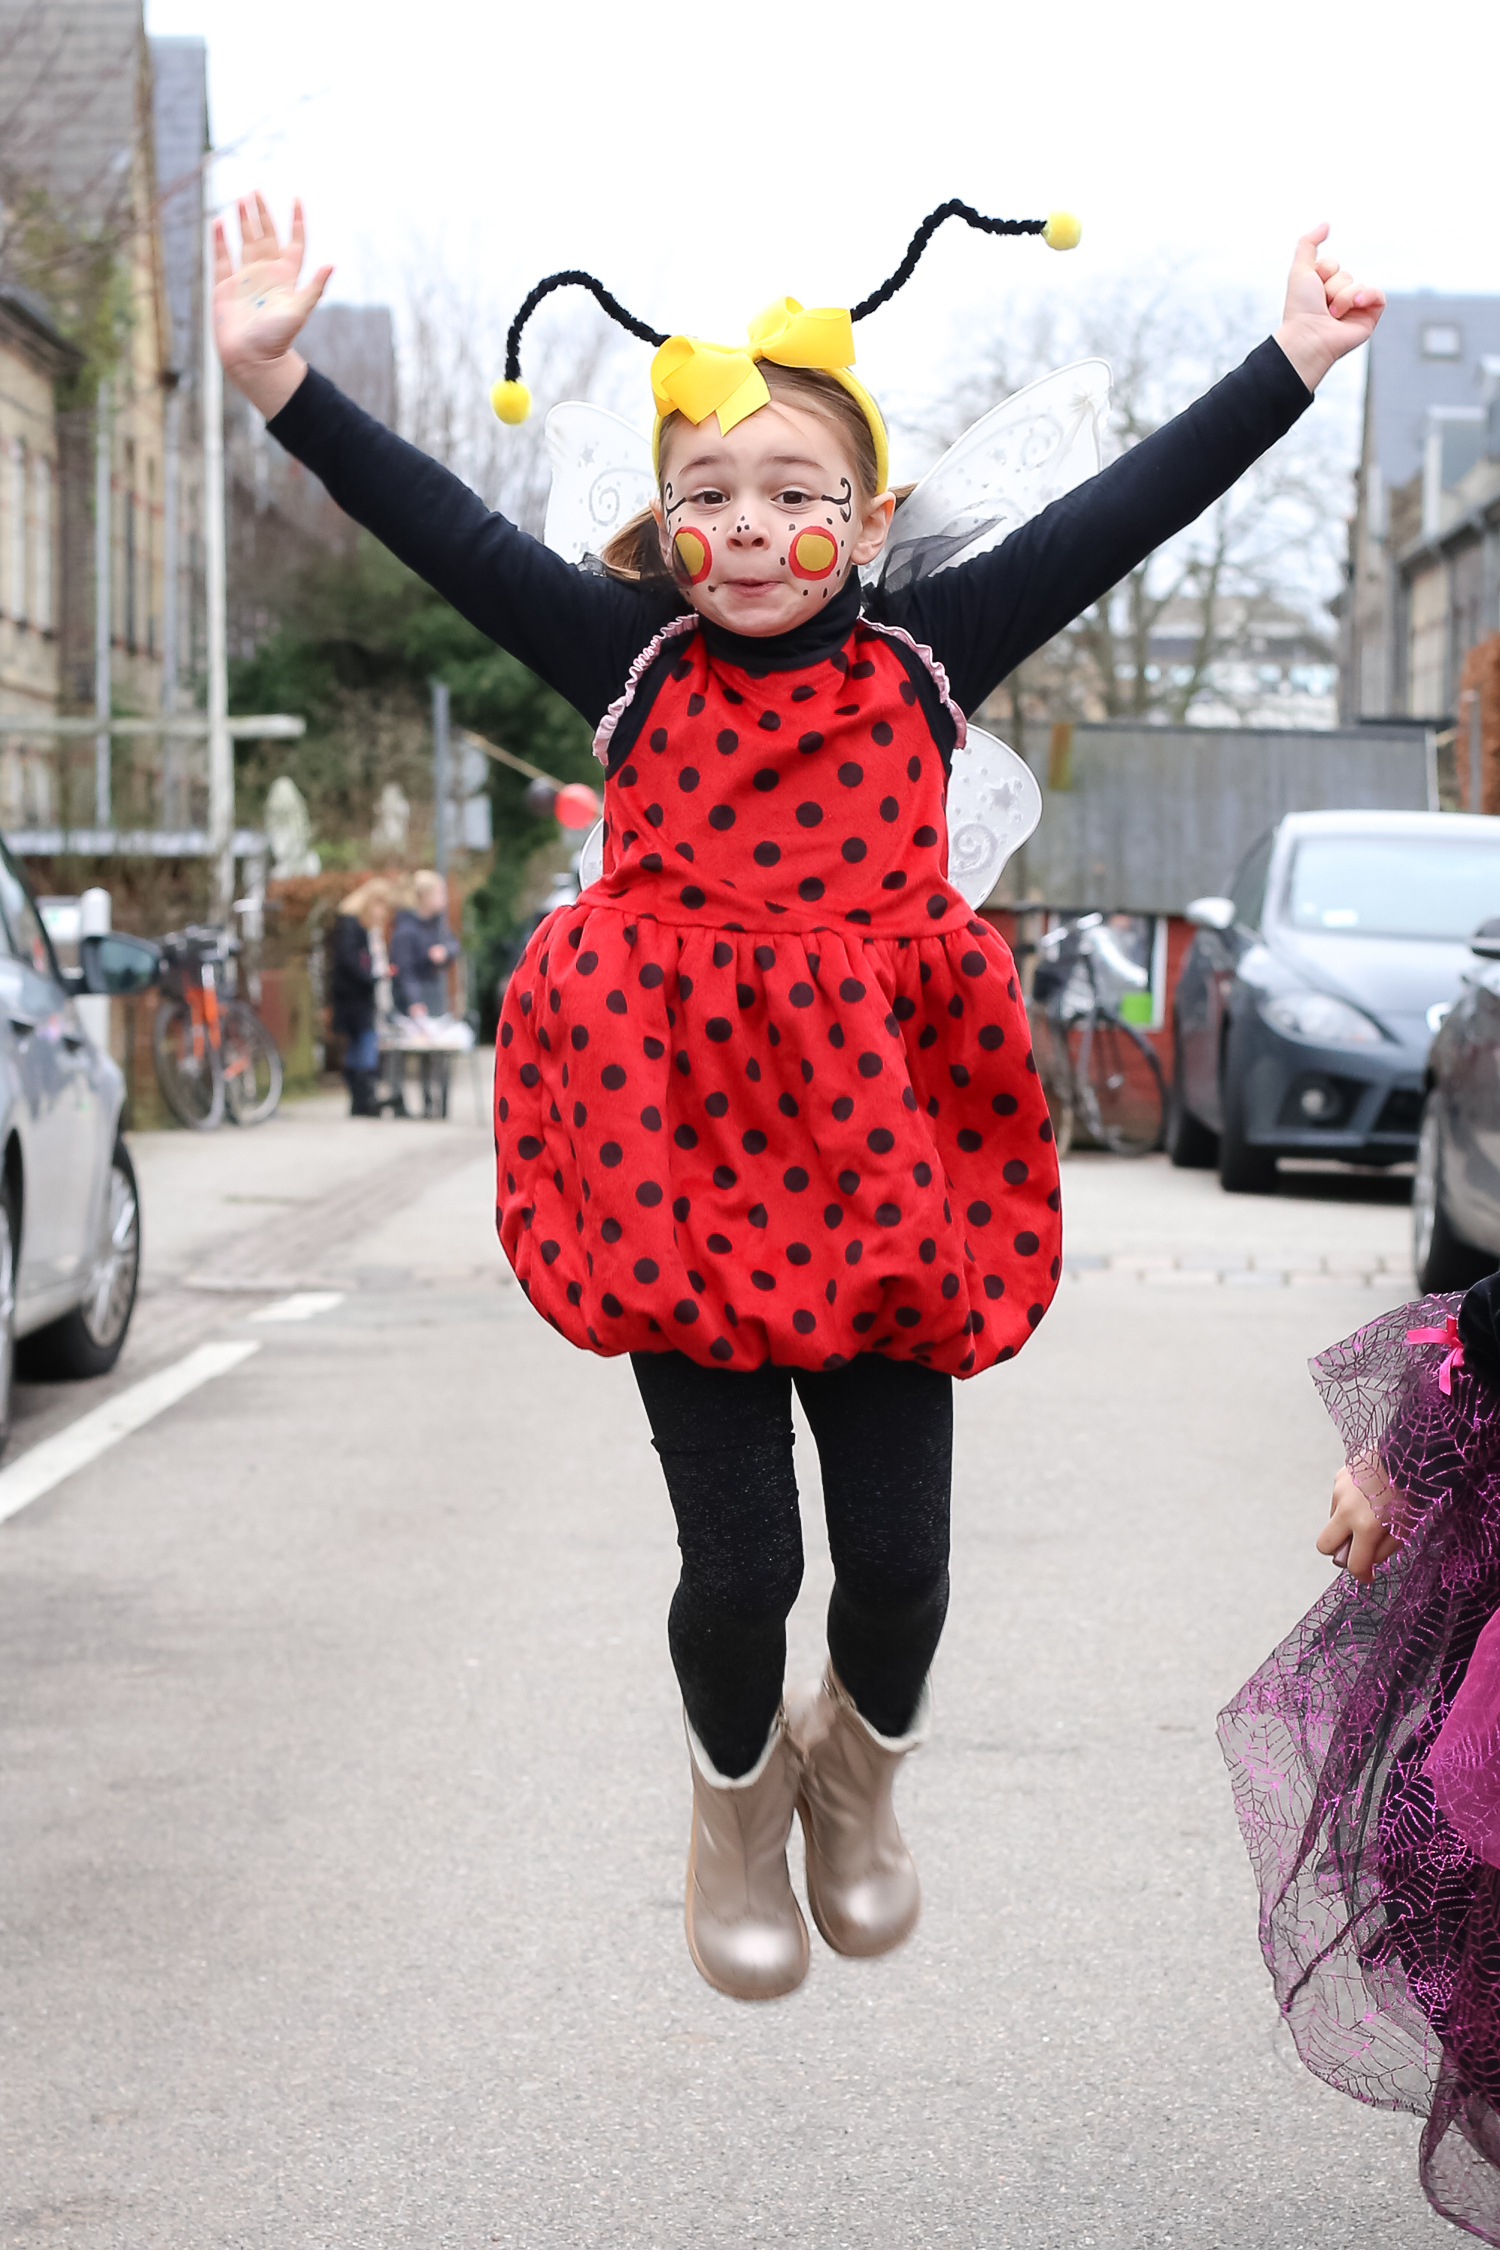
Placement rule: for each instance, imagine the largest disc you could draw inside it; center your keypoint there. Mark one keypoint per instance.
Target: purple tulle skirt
(1365, 1759)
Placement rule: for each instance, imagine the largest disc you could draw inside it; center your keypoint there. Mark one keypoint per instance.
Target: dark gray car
(1310, 994)
(1455, 1202)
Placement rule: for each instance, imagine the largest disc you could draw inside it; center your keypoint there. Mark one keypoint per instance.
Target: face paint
(693, 555)
(813, 552)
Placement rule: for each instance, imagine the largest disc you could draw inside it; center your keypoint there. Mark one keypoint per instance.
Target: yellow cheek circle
(694, 555)
(814, 554)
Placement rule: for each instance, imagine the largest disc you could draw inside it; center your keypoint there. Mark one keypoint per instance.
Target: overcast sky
(706, 159)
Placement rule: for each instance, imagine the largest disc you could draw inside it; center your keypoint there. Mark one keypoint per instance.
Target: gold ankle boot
(861, 1882)
(744, 1927)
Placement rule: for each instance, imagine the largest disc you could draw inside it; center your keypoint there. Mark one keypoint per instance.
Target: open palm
(258, 307)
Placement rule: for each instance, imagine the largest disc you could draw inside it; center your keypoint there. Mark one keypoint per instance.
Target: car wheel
(88, 1340)
(9, 1239)
(1243, 1170)
(1441, 1258)
(1191, 1145)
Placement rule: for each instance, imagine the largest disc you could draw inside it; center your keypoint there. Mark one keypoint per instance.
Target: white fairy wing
(601, 477)
(994, 804)
(1014, 461)
(591, 857)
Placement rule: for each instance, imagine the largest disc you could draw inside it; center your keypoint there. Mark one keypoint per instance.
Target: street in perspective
(749, 1133)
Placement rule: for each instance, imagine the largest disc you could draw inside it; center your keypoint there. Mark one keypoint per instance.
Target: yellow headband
(691, 377)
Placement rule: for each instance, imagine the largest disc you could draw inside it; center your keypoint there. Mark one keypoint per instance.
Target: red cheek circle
(695, 557)
(814, 553)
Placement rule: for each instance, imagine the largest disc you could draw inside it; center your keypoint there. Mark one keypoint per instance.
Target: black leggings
(884, 1432)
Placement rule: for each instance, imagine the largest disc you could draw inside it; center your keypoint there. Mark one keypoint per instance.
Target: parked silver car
(1310, 994)
(70, 1233)
(1455, 1197)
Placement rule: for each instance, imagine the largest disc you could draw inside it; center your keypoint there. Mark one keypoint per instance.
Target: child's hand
(1366, 1520)
(259, 309)
(1327, 312)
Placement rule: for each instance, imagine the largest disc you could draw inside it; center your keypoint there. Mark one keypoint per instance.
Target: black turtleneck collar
(820, 637)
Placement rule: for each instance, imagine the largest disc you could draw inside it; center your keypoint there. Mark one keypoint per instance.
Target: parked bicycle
(1098, 1072)
(214, 1057)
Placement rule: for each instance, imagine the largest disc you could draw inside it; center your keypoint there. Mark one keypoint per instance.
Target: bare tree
(1271, 543)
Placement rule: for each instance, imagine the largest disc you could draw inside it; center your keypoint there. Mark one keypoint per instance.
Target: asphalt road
(345, 1797)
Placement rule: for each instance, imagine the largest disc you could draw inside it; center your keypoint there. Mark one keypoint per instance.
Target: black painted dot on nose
(726, 741)
(850, 774)
(810, 889)
(766, 855)
(882, 732)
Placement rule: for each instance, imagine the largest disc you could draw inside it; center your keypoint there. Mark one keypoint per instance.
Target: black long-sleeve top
(353, 978)
(580, 631)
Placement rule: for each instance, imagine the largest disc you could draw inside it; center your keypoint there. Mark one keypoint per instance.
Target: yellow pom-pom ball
(1062, 232)
(511, 401)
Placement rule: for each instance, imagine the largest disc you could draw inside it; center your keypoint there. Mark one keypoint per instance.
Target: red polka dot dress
(766, 1091)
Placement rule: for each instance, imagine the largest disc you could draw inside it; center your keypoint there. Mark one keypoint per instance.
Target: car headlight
(1318, 1015)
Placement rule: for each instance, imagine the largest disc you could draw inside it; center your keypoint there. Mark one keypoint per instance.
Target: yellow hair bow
(691, 377)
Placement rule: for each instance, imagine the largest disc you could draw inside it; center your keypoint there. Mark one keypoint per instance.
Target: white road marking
(303, 1304)
(92, 1434)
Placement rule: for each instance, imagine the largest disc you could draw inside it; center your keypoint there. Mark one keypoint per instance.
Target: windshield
(1394, 886)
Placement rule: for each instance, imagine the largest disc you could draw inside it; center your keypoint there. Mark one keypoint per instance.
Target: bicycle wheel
(1055, 1070)
(1123, 1097)
(188, 1068)
(252, 1065)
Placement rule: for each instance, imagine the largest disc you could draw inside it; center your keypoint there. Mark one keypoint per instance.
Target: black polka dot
(809, 815)
(851, 775)
(1004, 1105)
(927, 1251)
(717, 1105)
(645, 1269)
(913, 769)
(627, 777)
(804, 693)
(870, 1065)
(724, 1177)
(648, 1194)
(854, 849)
(770, 720)
(720, 1245)
(765, 778)
(762, 1280)
(895, 881)
(810, 889)
(718, 1028)
(611, 1154)
(685, 1311)
(925, 837)
(753, 1143)
(833, 1215)
(807, 743)
(680, 1208)
(881, 1141)
(611, 1230)
(889, 809)
(727, 740)
(721, 1348)
(691, 897)
(843, 1109)
(798, 1254)
(848, 1182)
(801, 995)
(970, 1141)
(764, 957)
(651, 1118)
(722, 816)
(887, 1214)
(766, 855)
(758, 1215)
(851, 990)
(652, 975)
(685, 1137)
(804, 1323)
(937, 906)
(611, 1305)
(794, 1178)
(1027, 1244)
(978, 1214)
(973, 964)
(991, 1037)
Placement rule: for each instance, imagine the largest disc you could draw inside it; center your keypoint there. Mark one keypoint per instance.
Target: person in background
(422, 949)
(357, 950)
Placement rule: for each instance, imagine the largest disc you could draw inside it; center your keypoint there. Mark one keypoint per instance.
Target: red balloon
(576, 806)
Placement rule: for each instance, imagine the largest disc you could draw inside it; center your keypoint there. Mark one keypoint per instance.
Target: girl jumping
(766, 1110)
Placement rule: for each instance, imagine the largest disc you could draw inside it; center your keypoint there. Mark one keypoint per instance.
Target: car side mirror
(118, 965)
(1486, 941)
(1211, 913)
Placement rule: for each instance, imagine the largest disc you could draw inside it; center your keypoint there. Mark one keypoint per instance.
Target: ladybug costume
(767, 1090)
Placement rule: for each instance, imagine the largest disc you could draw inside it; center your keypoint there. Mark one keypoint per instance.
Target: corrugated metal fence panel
(1155, 816)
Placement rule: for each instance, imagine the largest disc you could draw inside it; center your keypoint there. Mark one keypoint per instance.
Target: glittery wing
(994, 803)
(601, 477)
(1015, 460)
(591, 857)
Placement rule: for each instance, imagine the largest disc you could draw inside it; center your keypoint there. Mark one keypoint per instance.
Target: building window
(1442, 339)
(17, 497)
(41, 531)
